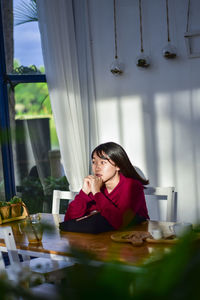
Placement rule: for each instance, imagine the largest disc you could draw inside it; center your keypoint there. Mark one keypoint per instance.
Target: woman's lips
(98, 175)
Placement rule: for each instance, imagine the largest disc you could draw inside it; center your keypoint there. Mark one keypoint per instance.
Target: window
(36, 155)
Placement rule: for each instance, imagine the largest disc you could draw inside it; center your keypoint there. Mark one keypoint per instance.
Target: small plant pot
(116, 68)
(143, 61)
(169, 51)
(167, 54)
(16, 210)
(5, 212)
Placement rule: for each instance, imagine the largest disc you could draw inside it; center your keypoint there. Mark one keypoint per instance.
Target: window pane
(27, 43)
(38, 168)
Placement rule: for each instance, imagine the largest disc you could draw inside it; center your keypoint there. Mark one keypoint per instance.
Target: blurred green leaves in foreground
(174, 276)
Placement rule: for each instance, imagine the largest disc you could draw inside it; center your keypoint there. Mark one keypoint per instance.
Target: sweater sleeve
(78, 207)
(120, 210)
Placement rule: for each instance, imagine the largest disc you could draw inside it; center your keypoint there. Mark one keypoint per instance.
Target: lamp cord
(188, 16)
(115, 28)
(167, 13)
(141, 35)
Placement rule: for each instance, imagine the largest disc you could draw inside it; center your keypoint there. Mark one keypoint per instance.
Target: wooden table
(99, 245)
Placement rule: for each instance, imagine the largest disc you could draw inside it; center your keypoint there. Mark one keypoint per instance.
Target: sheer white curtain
(68, 67)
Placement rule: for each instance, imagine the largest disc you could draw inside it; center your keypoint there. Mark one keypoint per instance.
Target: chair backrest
(64, 195)
(6, 234)
(155, 204)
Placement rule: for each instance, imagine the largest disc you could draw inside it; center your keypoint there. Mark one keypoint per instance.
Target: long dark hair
(118, 155)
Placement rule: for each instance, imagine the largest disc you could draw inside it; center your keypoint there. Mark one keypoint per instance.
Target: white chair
(15, 271)
(156, 206)
(10, 247)
(46, 291)
(61, 195)
(51, 269)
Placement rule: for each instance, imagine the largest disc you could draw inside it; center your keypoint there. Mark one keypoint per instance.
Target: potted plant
(143, 63)
(168, 54)
(5, 209)
(16, 207)
(169, 51)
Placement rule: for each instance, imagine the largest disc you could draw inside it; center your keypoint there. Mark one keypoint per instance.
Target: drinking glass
(33, 229)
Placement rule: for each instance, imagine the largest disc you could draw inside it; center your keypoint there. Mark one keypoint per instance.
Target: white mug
(156, 233)
(180, 228)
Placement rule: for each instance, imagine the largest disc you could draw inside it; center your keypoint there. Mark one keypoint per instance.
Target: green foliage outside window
(31, 98)
(32, 101)
(36, 199)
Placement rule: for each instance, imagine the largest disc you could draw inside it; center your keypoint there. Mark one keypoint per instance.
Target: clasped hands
(92, 184)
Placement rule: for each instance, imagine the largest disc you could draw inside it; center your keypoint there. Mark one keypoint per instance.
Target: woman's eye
(103, 162)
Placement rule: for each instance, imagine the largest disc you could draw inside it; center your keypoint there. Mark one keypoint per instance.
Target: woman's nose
(97, 166)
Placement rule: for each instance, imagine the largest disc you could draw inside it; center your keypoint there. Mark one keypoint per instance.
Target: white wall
(153, 113)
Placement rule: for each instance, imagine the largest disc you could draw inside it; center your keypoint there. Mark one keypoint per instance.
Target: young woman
(112, 198)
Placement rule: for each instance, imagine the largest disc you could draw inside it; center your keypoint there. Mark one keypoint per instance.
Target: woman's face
(103, 168)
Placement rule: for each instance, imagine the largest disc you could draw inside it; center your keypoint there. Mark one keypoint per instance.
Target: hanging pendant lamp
(169, 51)
(142, 60)
(116, 66)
